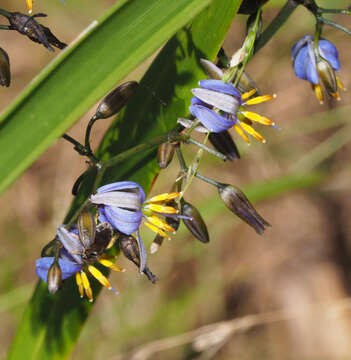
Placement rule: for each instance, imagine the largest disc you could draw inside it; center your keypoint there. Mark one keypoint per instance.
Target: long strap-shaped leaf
(130, 32)
(52, 323)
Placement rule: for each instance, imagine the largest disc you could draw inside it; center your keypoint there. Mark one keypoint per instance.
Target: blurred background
(285, 295)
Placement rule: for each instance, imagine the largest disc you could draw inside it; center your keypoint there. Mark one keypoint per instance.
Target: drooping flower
(78, 256)
(219, 106)
(123, 205)
(318, 66)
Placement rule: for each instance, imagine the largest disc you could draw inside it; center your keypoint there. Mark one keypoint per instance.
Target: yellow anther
(250, 130)
(155, 220)
(258, 118)
(161, 209)
(340, 84)
(99, 276)
(163, 197)
(318, 92)
(241, 133)
(248, 94)
(112, 242)
(29, 4)
(156, 230)
(86, 285)
(79, 284)
(260, 99)
(111, 265)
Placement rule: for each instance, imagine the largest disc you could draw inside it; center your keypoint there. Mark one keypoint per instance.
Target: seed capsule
(129, 247)
(224, 143)
(237, 202)
(54, 278)
(5, 74)
(165, 154)
(195, 223)
(115, 100)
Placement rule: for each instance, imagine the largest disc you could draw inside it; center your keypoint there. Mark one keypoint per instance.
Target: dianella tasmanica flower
(219, 106)
(80, 251)
(317, 65)
(123, 205)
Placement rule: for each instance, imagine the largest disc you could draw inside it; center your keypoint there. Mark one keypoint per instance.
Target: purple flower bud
(224, 143)
(165, 154)
(54, 278)
(194, 222)
(5, 74)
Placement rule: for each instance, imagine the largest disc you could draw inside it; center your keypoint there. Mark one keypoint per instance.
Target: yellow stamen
(156, 230)
(161, 208)
(163, 197)
(79, 284)
(318, 91)
(111, 265)
(260, 99)
(340, 84)
(86, 285)
(336, 96)
(258, 118)
(155, 220)
(248, 94)
(112, 242)
(29, 4)
(253, 132)
(241, 133)
(99, 276)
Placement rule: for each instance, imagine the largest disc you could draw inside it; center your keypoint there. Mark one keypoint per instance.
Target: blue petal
(196, 101)
(120, 186)
(330, 53)
(299, 45)
(43, 265)
(71, 243)
(210, 119)
(102, 215)
(304, 67)
(220, 86)
(125, 221)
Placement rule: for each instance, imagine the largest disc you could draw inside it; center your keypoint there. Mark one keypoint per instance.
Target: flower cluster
(317, 65)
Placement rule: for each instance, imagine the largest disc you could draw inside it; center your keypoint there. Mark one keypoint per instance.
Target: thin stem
(334, 24)
(206, 148)
(275, 25)
(208, 180)
(80, 148)
(181, 160)
(88, 131)
(5, 27)
(5, 13)
(334, 11)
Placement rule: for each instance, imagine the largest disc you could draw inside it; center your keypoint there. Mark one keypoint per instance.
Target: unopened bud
(165, 154)
(224, 143)
(130, 249)
(194, 222)
(213, 71)
(86, 228)
(54, 278)
(115, 100)
(237, 202)
(250, 6)
(5, 75)
(327, 75)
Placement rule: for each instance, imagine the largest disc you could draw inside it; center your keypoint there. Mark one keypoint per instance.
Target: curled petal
(71, 243)
(125, 221)
(300, 44)
(122, 185)
(210, 119)
(330, 53)
(220, 86)
(121, 199)
(43, 265)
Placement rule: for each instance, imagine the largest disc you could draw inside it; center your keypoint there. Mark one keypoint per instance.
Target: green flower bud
(195, 223)
(165, 154)
(327, 75)
(115, 100)
(130, 249)
(224, 143)
(5, 75)
(54, 278)
(237, 202)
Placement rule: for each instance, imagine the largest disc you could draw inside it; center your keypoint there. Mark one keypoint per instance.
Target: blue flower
(219, 106)
(122, 204)
(317, 65)
(75, 260)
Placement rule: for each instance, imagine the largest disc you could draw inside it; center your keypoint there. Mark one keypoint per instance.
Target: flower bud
(194, 222)
(250, 6)
(213, 71)
(115, 100)
(54, 278)
(237, 202)
(224, 143)
(130, 249)
(165, 154)
(5, 75)
(86, 228)
(327, 75)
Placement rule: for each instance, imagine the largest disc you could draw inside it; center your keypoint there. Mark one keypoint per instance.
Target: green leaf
(82, 74)
(51, 324)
